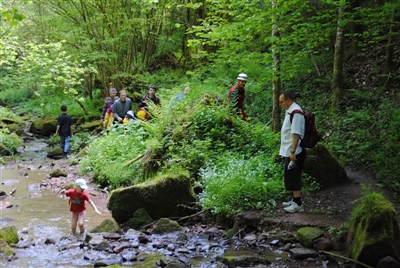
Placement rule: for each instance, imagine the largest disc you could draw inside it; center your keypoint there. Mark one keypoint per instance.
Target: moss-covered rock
(107, 226)
(58, 173)
(9, 235)
(57, 151)
(307, 235)
(165, 225)
(323, 167)
(139, 218)
(160, 197)
(90, 126)
(374, 231)
(44, 126)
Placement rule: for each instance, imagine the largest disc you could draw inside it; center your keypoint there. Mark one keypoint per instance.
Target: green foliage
(107, 154)
(233, 183)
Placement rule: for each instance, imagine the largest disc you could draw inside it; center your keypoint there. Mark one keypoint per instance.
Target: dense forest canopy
(340, 56)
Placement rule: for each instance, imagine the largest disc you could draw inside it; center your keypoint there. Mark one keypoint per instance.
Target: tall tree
(337, 78)
(276, 78)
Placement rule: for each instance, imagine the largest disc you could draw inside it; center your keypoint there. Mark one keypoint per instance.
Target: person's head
(286, 99)
(152, 90)
(242, 80)
(122, 95)
(186, 90)
(80, 185)
(63, 108)
(113, 92)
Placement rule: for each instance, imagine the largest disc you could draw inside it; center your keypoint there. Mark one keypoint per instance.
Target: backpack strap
(295, 112)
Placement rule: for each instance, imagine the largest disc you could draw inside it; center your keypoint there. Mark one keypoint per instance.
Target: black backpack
(311, 136)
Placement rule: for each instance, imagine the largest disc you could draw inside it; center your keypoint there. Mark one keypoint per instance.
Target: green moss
(9, 235)
(373, 220)
(307, 235)
(107, 226)
(139, 218)
(165, 225)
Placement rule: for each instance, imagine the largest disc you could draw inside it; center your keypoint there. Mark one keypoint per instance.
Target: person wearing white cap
(77, 197)
(236, 96)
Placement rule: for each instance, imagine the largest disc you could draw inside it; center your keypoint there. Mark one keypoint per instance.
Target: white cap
(130, 112)
(242, 77)
(81, 183)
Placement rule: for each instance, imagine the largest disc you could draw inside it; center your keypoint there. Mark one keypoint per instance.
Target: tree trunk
(338, 78)
(389, 53)
(276, 78)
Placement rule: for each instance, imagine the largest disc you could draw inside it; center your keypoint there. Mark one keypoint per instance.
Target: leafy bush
(233, 183)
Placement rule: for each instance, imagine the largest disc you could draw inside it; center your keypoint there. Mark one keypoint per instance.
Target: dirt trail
(333, 206)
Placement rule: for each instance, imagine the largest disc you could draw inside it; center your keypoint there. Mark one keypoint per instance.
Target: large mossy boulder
(107, 226)
(323, 167)
(90, 126)
(160, 197)
(374, 231)
(45, 126)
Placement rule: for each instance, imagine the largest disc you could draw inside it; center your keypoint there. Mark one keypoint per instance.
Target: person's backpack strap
(295, 112)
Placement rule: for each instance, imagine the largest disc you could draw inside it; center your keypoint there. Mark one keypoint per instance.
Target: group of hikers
(118, 109)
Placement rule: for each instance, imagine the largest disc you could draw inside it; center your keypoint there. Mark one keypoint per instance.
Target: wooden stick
(345, 258)
(133, 160)
(194, 215)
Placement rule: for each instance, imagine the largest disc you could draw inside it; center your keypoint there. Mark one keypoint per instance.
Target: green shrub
(107, 154)
(232, 183)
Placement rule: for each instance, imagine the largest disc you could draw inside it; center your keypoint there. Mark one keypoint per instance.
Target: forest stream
(42, 219)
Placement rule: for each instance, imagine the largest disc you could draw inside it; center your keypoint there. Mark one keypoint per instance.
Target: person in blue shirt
(183, 94)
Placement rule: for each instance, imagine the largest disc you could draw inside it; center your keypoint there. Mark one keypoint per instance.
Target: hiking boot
(65, 155)
(293, 208)
(287, 204)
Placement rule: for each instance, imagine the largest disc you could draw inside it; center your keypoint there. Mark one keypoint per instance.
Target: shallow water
(39, 214)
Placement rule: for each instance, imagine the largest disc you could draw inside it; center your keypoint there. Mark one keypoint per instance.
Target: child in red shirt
(77, 198)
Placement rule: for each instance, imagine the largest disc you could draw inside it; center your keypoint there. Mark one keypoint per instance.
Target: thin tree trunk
(276, 78)
(389, 53)
(338, 78)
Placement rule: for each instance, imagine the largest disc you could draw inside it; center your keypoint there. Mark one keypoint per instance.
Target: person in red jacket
(236, 97)
(77, 197)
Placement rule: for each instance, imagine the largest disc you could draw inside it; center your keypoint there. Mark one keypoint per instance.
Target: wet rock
(103, 245)
(388, 262)
(5, 248)
(129, 256)
(108, 226)
(131, 234)
(165, 225)
(323, 243)
(5, 204)
(57, 173)
(182, 238)
(55, 152)
(50, 241)
(90, 257)
(307, 235)
(303, 253)
(112, 236)
(139, 218)
(243, 261)
(171, 247)
(121, 247)
(107, 262)
(23, 244)
(142, 238)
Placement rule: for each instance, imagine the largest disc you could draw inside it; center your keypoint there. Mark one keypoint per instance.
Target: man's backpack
(311, 136)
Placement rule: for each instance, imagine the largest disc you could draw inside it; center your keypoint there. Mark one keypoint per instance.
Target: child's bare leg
(81, 219)
(74, 220)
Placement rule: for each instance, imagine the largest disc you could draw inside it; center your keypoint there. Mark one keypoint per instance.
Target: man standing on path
(122, 106)
(236, 96)
(64, 127)
(291, 134)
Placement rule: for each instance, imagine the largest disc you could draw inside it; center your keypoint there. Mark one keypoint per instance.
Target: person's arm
(58, 128)
(94, 207)
(295, 141)
(116, 109)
